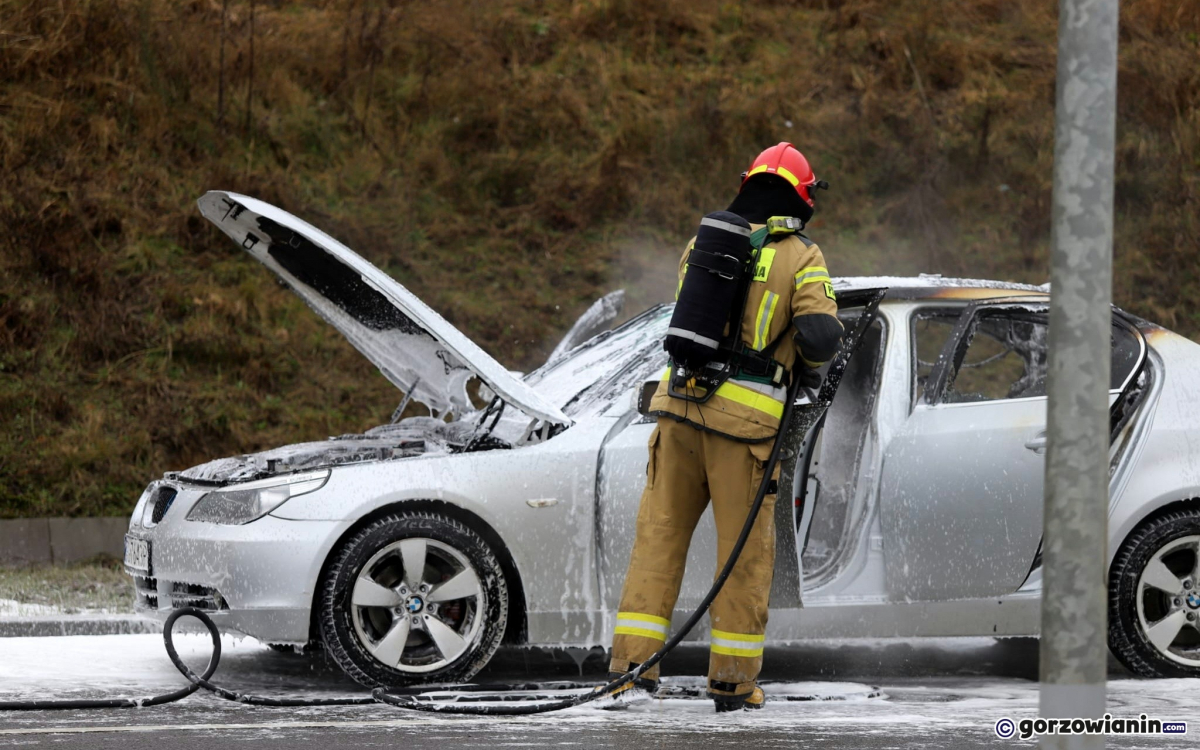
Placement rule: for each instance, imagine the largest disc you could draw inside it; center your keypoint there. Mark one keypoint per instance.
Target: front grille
(182, 594)
(162, 502)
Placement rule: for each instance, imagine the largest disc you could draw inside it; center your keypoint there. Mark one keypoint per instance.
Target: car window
(930, 331)
(1005, 358)
(1126, 353)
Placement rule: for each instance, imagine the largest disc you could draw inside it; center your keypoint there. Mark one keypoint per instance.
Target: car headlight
(139, 510)
(242, 503)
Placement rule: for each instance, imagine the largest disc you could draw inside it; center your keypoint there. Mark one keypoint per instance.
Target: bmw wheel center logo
(1193, 601)
(415, 604)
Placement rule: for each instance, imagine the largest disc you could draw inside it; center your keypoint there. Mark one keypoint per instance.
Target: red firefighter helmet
(785, 160)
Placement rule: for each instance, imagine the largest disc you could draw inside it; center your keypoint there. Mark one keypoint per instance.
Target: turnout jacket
(791, 289)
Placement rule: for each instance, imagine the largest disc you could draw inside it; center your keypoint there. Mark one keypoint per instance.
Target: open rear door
(792, 519)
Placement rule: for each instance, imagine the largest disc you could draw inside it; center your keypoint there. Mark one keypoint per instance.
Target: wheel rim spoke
(1196, 567)
(1163, 633)
(1159, 576)
(391, 647)
(425, 563)
(461, 586)
(412, 551)
(449, 643)
(368, 593)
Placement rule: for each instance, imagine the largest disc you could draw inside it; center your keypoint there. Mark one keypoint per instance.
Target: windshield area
(604, 369)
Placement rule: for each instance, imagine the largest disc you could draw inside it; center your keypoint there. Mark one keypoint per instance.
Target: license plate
(137, 554)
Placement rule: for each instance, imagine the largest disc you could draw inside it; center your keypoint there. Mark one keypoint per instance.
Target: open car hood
(414, 347)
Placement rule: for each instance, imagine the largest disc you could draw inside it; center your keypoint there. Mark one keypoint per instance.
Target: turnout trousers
(687, 467)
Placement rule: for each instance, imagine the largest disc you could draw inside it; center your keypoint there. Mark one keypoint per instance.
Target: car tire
(386, 623)
(1165, 551)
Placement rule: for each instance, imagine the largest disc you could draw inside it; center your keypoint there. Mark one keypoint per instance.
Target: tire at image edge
(1126, 640)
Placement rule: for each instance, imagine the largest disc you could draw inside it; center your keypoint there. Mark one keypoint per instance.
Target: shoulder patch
(829, 291)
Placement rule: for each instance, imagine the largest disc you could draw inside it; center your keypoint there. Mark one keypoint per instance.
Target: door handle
(1037, 444)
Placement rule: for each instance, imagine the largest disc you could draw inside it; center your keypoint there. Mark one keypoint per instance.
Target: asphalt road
(937, 694)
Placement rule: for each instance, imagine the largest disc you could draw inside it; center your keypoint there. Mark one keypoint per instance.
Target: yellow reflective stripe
(781, 171)
(750, 637)
(646, 626)
(766, 311)
(812, 274)
(736, 644)
(787, 175)
(661, 622)
(752, 399)
(746, 397)
(770, 316)
(809, 278)
(775, 392)
(760, 320)
(750, 652)
(623, 630)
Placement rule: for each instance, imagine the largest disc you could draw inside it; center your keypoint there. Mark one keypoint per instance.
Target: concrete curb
(37, 627)
(59, 540)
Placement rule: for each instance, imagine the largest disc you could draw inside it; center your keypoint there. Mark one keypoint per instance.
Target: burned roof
(935, 286)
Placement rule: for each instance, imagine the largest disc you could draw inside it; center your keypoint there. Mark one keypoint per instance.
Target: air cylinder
(717, 267)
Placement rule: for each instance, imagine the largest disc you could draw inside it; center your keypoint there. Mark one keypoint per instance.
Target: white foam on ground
(915, 710)
(117, 666)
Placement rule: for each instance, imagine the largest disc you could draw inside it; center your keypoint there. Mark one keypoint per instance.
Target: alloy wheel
(1168, 601)
(417, 604)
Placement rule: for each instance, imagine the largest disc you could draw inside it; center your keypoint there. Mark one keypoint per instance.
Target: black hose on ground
(213, 661)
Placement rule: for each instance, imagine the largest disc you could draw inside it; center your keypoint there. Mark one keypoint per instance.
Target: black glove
(809, 378)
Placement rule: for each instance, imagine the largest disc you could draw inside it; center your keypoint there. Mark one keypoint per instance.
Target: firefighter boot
(631, 692)
(755, 699)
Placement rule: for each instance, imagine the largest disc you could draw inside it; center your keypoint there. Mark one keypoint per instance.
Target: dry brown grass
(508, 162)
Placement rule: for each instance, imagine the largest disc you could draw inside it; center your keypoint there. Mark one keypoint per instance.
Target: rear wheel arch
(516, 631)
(1174, 506)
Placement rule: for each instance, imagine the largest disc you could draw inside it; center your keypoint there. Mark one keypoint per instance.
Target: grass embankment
(508, 161)
(71, 588)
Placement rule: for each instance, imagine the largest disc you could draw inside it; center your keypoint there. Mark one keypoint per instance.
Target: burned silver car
(411, 552)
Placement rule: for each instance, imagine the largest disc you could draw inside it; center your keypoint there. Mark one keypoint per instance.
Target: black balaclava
(766, 195)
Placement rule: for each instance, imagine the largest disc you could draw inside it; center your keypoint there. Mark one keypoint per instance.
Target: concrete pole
(1074, 651)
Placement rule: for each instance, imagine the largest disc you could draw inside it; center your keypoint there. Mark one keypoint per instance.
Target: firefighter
(718, 449)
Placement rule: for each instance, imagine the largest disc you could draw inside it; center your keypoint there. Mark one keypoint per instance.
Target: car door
(622, 479)
(961, 488)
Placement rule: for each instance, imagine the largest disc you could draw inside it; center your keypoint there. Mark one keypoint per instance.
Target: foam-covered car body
(916, 510)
